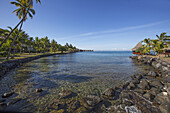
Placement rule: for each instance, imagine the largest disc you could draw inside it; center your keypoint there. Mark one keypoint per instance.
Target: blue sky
(94, 24)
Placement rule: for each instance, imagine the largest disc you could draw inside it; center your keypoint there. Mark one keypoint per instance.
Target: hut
(135, 48)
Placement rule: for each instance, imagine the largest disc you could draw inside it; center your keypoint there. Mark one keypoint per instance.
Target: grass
(26, 55)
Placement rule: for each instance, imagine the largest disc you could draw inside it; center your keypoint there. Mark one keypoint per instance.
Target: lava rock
(90, 101)
(144, 84)
(109, 92)
(152, 73)
(6, 95)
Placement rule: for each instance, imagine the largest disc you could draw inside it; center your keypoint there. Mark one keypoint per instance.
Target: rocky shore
(144, 93)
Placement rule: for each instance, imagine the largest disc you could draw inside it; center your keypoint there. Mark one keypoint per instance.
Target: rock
(6, 95)
(110, 92)
(156, 83)
(126, 95)
(158, 66)
(154, 91)
(144, 84)
(131, 86)
(149, 96)
(67, 94)
(167, 87)
(90, 101)
(165, 63)
(135, 81)
(165, 107)
(13, 101)
(161, 98)
(165, 68)
(39, 90)
(2, 100)
(152, 73)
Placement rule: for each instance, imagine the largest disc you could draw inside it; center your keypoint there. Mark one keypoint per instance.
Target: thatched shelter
(137, 46)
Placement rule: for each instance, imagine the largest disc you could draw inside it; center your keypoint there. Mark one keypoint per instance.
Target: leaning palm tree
(30, 2)
(24, 9)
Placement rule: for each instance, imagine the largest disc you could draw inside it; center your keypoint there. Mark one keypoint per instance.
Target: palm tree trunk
(13, 53)
(12, 31)
(14, 41)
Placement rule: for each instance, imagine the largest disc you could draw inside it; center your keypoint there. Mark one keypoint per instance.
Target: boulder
(161, 98)
(110, 92)
(165, 107)
(131, 86)
(156, 83)
(152, 73)
(6, 95)
(149, 96)
(144, 84)
(158, 66)
(164, 68)
(90, 101)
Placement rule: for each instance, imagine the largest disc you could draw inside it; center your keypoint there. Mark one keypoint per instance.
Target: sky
(94, 24)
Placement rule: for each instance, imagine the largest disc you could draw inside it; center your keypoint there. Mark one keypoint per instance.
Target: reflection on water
(83, 73)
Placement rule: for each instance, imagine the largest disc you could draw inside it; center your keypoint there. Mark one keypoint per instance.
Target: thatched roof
(137, 46)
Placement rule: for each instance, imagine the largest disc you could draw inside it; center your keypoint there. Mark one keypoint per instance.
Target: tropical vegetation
(155, 45)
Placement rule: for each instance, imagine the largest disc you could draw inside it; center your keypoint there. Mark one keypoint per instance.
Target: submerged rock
(152, 73)
(90, 101)
(144, 84)
(39, 90)
(67, 94)
(110, 92)
(6, 95)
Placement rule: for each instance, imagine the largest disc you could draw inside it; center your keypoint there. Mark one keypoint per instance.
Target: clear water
(83, 73)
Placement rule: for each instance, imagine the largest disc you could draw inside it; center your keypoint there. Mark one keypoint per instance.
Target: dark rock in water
(2, 100)
(161, 98)
(6, 95)
(90, 101)
(144, 84)
(165, 107)
(152, 73)
(67, 94)
(110, 92)
(39, 90)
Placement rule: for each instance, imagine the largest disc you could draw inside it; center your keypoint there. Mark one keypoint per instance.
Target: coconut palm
(154, 44)
(30, 5)
(147, 46)
(21, 12)
(162, 36)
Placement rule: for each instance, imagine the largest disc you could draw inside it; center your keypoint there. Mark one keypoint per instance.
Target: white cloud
(115, 30)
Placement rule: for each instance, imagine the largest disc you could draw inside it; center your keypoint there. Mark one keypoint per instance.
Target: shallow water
(83, 73)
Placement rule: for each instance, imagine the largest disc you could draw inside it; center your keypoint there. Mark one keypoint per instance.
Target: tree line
(155, 45)
(27, 44)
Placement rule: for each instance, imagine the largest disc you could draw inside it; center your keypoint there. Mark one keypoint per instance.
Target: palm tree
(162, 36)
(30, 5)
(147, 46)
(154, 44)
(53, 46)
(21, 12)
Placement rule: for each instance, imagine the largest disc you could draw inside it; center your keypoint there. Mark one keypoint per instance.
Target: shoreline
(6, 66)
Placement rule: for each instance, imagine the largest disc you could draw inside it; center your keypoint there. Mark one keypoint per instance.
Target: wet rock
(67, 94)
(161, 98)
(110, 92)
(165, 107)
(39, 90)
(6, 95)
(144, 84)
(90, 101)
(152, 73)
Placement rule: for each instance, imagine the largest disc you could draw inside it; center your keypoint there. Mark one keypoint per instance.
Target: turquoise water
(83, 73)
